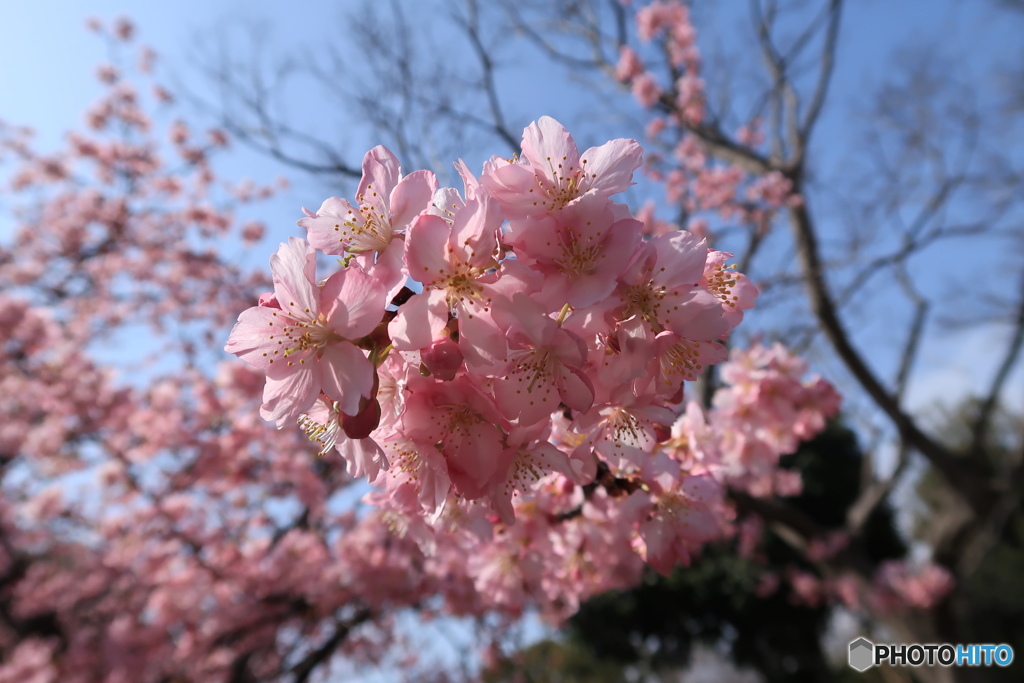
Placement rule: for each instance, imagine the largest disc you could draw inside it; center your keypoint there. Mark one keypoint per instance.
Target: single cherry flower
(385, 205)
(457, 265)
(302, 336)
(553, 174)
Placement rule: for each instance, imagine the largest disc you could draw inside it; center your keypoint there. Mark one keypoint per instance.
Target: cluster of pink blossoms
(475, 345)
(693, 179)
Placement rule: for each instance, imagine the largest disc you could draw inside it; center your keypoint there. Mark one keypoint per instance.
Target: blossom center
(324, 434)
(534, 364)
(296, 336)
(624, 427)
(309, 336)
(646, 299)
(577, 258)
(672, 503)
(406, 459)
(565, 183)
(527, 470)
(371, 229)
(460, 421)
(681, 359)
(721, 282)
(462, 285)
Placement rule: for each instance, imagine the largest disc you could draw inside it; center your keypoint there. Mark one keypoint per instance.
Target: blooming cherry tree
(533, 366)
(502, 367)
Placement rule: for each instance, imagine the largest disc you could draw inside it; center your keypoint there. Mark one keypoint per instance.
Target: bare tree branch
(823, 306)
(267, 134)
(546, 46)
(305, 668)
(471, 26)
(1012, 354)
(875, 492)
(827, 64)
(913, 342)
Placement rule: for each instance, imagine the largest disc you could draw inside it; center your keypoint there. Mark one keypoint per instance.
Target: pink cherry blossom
(552, 173)
(455, 263)
(646, 90)
(661, 286)
(526, 461)
(418, 477)
(898, 585)
(628, 66)
(322, 423)
(580, 250)
(544, 364)
(678, 513)
(386, 203)
(308, 332)
(463, 423)
(624, 431)
(733, 289)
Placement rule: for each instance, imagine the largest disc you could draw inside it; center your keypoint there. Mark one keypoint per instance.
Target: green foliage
(988, 604)
(830, 466)
(716, 602)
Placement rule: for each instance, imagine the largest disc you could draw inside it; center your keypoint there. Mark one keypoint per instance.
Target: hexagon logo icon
(862, 654)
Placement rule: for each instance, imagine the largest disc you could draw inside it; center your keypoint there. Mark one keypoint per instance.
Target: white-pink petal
(294, 271)
(353, 302)
(412, 196)
(381, 172)
(287, 396)
(546, 142)
(425, 248)
(328, 230)
(610, 167)
(250, 338)
(419, 321)
(346, 376)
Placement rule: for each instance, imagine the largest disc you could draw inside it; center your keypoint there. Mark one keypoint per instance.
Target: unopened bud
(443, 358)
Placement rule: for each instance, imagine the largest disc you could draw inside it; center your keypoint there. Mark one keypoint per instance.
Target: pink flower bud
(443, 358)
(359, 426)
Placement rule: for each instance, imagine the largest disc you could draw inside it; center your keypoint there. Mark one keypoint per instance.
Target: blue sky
(48, 60)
